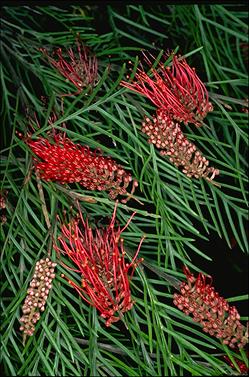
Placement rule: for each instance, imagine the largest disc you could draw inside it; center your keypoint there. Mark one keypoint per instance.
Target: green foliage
(154, 338)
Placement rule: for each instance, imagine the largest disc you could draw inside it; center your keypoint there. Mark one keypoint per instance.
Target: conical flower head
(80, 67)
(166, 134)
(176, 89)
(37, 295)
(99, 257)
(199, 299)
(66, 162)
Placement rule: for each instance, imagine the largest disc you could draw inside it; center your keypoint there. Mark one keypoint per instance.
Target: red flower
(166, 134)
(211, 310)
(99, 257)
(82, 68)
(177, 90)
(67, 162)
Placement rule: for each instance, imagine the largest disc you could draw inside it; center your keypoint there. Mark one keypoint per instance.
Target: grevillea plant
(198, 298)
(80, 67)
(37, 295)
(179, 215)
(99, 257)
(166, 134)
(176, 89)
(65, 162)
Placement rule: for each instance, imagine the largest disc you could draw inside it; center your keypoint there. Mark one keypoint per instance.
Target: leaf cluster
(154, 338)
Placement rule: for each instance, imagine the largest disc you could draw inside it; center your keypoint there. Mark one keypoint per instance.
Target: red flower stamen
(99, 257)
(66, 162)
(212, 311)
(82, 68)
(176, 89)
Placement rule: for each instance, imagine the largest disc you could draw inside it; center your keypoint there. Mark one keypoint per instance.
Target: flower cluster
(82, 68)
(177, 90)
(37, 295)
(212, 311)
(180, 96)
(167, 135)
(99, 257)
(66, 162)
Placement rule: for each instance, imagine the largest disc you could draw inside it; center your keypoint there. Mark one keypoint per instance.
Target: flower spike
(37, 295)
(99, 258)
(166, 134)
(177, 90)
(66, 162)
(199, 298)
(80, 68)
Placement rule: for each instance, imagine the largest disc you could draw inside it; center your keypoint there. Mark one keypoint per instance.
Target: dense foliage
(178, 215)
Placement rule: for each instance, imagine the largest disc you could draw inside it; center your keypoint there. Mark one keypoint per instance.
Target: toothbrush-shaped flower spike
(176, 89)
(198, 298)
(37, 295)
(66, 162)
(80, 67)
(99, 257)
(166, 134)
